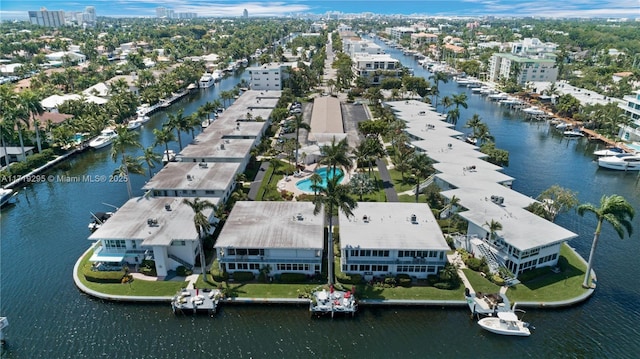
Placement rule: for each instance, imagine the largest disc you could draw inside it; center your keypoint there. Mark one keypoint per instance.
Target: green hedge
(104, 276)
(404, 280)
(31, 163)
(347, 278)
(183, 271)
(243, 276)
(293, 277)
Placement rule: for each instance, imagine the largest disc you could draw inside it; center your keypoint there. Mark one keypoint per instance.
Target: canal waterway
(46, 231)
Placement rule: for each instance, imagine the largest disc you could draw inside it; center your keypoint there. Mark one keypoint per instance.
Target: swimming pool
(305, 184)
(634, 146)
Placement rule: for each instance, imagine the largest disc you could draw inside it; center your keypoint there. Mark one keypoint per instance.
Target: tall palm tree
(453, 116)
(31, 103)
(421, 168)
(613, 209)
(493, 227)
(460, 100)
(437, 77)
(163, 137)
(454, 202)
(130, 165)
(474, 123)
(446, 103)
(334, 197)
(124, 140)
(299, 123)
(482, 134)
(150, 158)
(336, 155)
(177, 122)
(201, 222)
(316, 180)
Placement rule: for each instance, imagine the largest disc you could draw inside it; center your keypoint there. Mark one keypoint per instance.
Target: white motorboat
(471, 140)
(621, 162)
(572, 132)
(206, 81)
(143, 118)
(5, 195)
(611, 151)
(97, 219)
(134, 124)
(533, 110)
(506, 323)
(562, 126)
(510, 101)
(168, 156)
(106, 137)
(498, 96)
(217, 75)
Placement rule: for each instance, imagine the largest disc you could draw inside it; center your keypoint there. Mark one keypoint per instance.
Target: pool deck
(288, 183)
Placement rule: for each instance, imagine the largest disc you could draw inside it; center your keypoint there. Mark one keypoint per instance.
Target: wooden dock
(333, 301)
(196, 301)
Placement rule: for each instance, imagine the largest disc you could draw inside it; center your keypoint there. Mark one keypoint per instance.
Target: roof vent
(365, 218)
(203, 165)
(299, 217)
(189, 178)
(167, 207)
(414, 219)
(222, 146)
(152, 222)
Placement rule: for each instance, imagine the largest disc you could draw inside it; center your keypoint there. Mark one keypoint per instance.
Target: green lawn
(551, 286)
(135, 288)
(398, 183)
(480, 283)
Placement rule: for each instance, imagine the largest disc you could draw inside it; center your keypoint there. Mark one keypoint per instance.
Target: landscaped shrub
(183, 271)
(475, 264)
(148, 267)
(219, 276)
(347, 278)
(389, 282)
(446, 285)
(404, 280)
(497, 280)
(243, 276)
(104, 276)
(293, 277)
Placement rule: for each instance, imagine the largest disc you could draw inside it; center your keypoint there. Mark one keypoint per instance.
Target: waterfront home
(285, 237)
(540, 68)
(188, 179)
(391, 238)
(631, 108)
(525, 241)
(377, 67)
(269, 76)
(155, 228)
(14, 154)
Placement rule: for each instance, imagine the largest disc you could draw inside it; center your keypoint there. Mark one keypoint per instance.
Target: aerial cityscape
(253, 179)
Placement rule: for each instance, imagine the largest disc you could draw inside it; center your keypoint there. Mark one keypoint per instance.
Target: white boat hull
(504, 327)
(619, 165)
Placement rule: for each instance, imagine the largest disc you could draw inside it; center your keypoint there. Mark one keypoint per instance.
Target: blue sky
(12, 9)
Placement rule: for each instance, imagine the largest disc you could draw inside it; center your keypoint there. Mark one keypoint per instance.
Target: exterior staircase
(181, 261)
(426, 183)
(494, 263)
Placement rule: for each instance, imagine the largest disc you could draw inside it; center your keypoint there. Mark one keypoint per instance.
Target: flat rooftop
(273, 225)
(131, 221)
(237, 149)
(389, 226)
(194, 176)
(326, 116)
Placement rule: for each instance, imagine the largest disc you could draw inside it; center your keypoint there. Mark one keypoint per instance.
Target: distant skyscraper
(90, 15)
(47, 18)
(245, 14)
(161, 12)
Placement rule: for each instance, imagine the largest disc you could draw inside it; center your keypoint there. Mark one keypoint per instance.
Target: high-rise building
(47, 18)
(90, 15)
(161, 12)
(245, 13)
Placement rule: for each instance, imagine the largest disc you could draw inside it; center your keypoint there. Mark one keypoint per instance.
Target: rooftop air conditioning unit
(167, 207)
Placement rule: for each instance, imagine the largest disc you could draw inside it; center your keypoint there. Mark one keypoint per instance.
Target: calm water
(43, 235)
(306, 184)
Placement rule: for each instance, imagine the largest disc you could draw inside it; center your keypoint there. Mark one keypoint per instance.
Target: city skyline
(12, 9)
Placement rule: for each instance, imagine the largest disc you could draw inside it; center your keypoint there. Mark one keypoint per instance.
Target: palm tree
(334, 197)
(474, 123)
(177, 122)
(31, 103)
(613, 209)
(454, 202)
(446, 103)
(421, 169)
(437, 77)
(493, 227)
(150, 158)
(163, 137)
(460, 100)
(315, 179)
(201, 222)
(453, 116)
(298, 123)
(482, 134)
(124, 139)
(336, 155)
(130, 165)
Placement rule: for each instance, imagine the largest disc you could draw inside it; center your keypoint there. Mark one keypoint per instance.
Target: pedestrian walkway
(387, 183)
(255, 185)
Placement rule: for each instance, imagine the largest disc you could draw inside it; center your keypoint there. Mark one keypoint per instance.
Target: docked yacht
(206, 81)
(217, 75)
(505, 323)
(5, 195)
(533, 110)
(572, 132)
(611, 151)
(620, 162)
(106, 137)
(498, 96)
(134, 124)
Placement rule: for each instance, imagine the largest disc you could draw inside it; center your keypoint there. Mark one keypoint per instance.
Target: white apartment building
(286, 236)
(533, 46)
(376, 67)
(391, 238)
(47, 18)
(631, 109)
(423, 38)
(531, 69)
(267, 76)
(399, 31)
(355, 45)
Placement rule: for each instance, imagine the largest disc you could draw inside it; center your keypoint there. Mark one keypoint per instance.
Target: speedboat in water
(505, 323)
(611, 151)
(106, 137)
(620, 162)
(134, 124)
